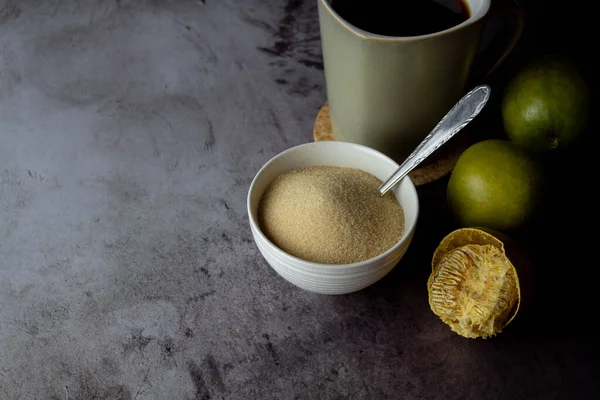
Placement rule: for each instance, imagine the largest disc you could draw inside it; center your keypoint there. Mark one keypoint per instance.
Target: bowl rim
(298, 262)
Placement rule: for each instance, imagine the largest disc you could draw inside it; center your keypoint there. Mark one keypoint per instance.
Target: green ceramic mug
(389, 92)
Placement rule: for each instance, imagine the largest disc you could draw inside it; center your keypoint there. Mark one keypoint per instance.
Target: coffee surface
(402, 17)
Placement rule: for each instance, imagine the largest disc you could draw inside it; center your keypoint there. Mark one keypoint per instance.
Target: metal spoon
(457, 118)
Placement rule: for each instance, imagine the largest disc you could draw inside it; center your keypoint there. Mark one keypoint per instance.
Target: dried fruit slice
(474, 287)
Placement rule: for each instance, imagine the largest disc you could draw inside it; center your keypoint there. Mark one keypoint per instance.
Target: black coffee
(402, 17)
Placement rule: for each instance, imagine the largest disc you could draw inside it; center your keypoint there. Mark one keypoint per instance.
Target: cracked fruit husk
(474, 287)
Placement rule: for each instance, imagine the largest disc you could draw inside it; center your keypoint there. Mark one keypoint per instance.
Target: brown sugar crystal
(330, 215)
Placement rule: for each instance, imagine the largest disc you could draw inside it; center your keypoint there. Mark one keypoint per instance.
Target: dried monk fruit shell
(474, 287)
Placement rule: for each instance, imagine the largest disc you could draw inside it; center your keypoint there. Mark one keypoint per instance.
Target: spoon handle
(457, 118)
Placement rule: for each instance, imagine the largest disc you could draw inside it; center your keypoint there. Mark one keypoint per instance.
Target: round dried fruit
(474, 287)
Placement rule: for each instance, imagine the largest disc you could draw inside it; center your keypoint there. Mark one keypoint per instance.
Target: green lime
(495, 184)
(545, 106)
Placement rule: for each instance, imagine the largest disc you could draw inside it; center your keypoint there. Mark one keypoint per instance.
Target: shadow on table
(562, 242)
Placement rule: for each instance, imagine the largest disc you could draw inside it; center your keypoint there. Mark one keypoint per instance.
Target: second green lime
(495, 184)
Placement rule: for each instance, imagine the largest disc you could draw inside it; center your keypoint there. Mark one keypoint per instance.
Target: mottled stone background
(129, 133)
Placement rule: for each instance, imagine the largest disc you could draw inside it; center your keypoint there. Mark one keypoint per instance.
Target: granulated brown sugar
(330, 215)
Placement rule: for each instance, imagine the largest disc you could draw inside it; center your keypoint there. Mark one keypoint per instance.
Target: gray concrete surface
(129, 133)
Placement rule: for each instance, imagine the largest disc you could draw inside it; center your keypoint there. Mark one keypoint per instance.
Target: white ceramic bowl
(327, 278)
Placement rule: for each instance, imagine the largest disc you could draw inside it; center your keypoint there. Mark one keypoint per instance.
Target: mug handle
(498, 49)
